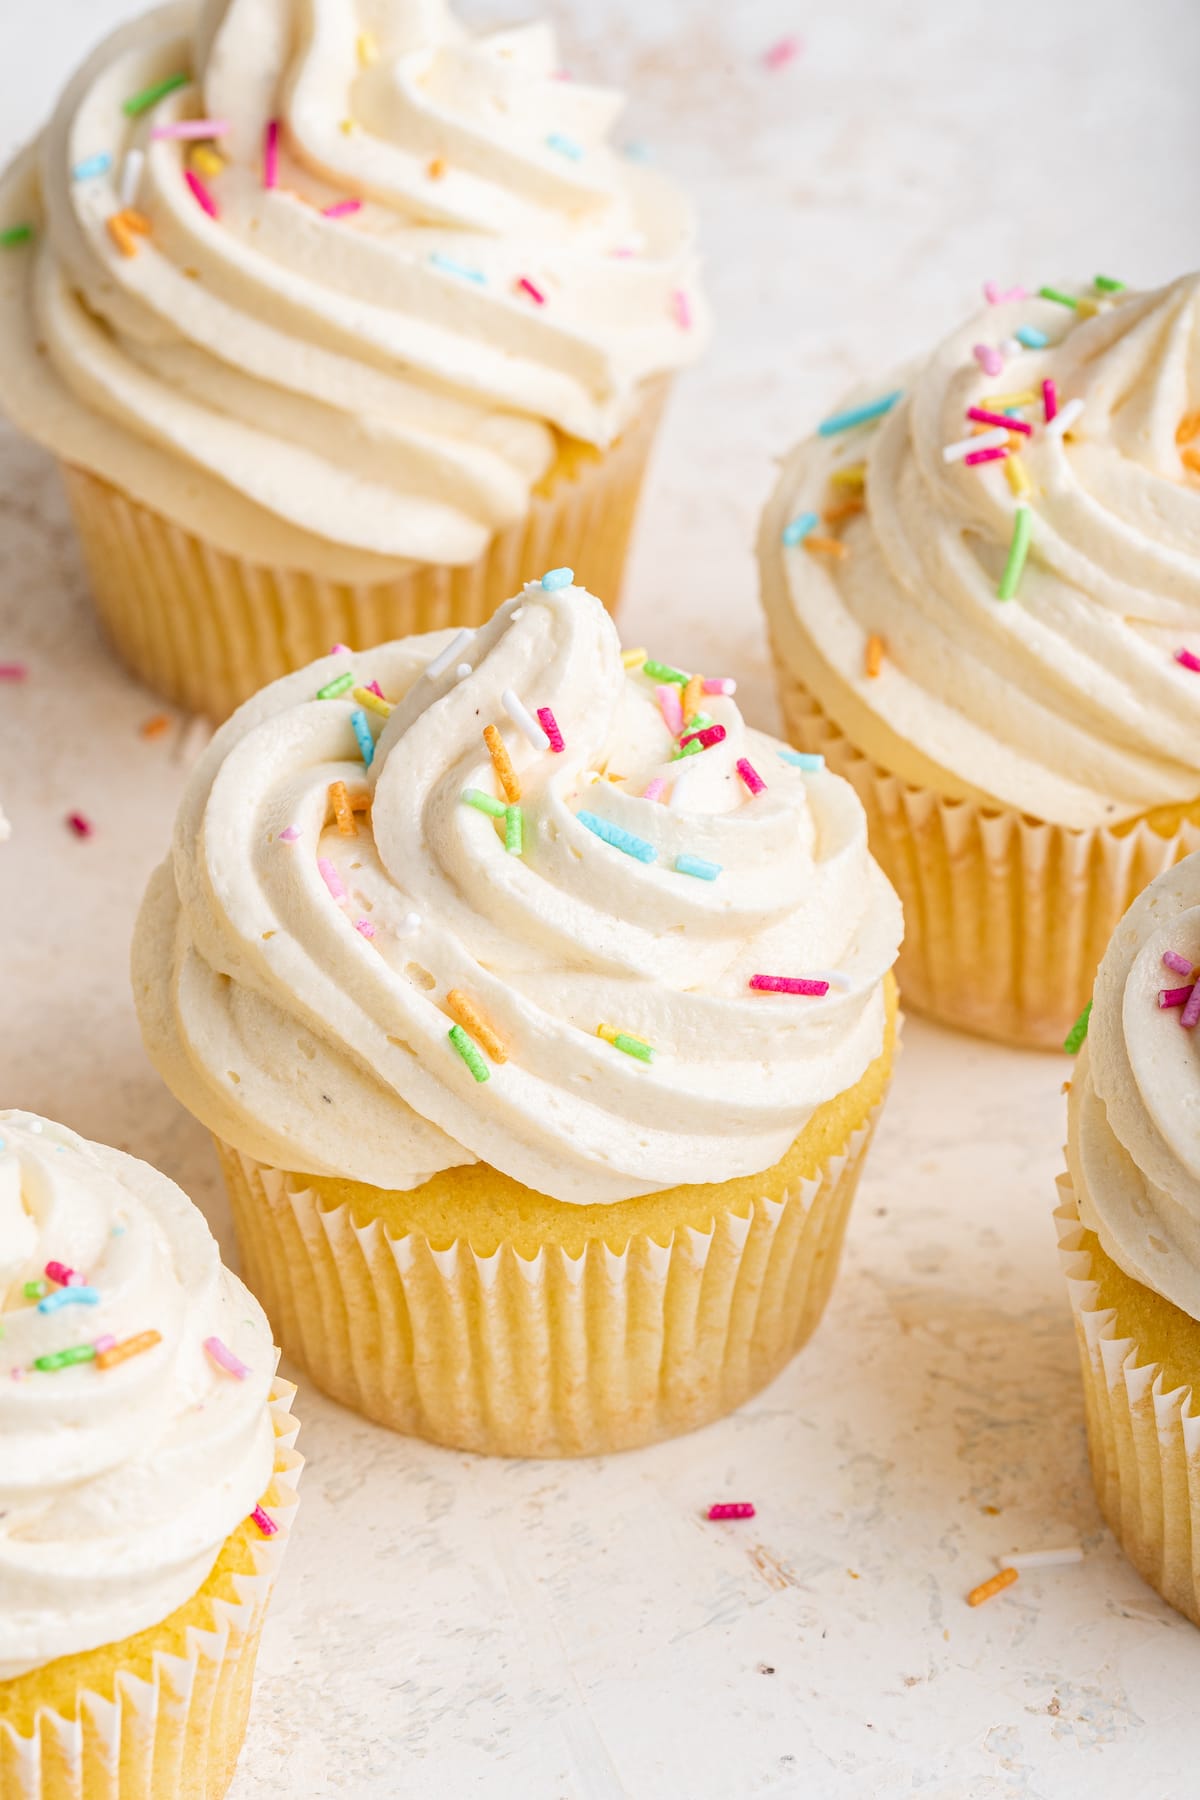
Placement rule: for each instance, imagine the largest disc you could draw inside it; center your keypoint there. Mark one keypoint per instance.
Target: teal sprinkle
(557, 578)
(449, 266)
(808, 760)
(566, 146)
(859, 415)
(797, 529)
(696, 865)
(468, 1052)
(69, 1296)
(484, 802)
(1031, 337)
(664, 672)
(99, 164)
(337, 686)
(637, 150)
(514, 830)
(618, 837)
(362, 731)
(1073, 1042)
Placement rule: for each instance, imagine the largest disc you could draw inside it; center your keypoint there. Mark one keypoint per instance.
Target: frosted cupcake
(1129, 1224)
(541, 1013)
(983, 589)
(146, 1479)
(342, 322)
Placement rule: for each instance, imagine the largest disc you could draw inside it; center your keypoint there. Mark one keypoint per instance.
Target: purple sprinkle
(1179, 965)
(1190, 1016)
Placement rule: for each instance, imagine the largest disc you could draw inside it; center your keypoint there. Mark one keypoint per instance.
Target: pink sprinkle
(264, 1521)
(13, 671)
(751, 776)
(104, 1343)
(224, 1358)
(201, 193)
(549, 725)
(994, 296)
(57, 1271)
(271, 154)
(985, 456)
(18, 1374)
(373, 687)
(720, 684)
(784, 52)
(712, 734)
(365, 926)
(289, 834)
(1179, 965)
(982, 416)
(989, 360)
(654, 790)
(732, 1509)
(1190, 1016)
(331, 878)
(683, 309)
(1173, 996)
(340, 650)
(192, 128)
(535, 293)
(1188, 658)
(79, 825)
(341, 209)
(1049, 398)
(788, 984)
(670, 706)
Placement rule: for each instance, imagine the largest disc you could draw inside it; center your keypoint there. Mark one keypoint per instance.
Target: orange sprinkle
(874, 654)
(845, 509)
(693, 698)
(506, 775)
(155, 726)
(825, 546)
(1190, 460)
(343, 812)
(996, 1585)
(436, 168)
(1188, 428)
(472, 1020)
(121, 234)
(119, 1353)
(136, 221)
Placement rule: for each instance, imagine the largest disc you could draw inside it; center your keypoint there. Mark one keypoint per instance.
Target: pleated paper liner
(1006, 918)
(159, 1716)
(206, 629)
(1142, 1425)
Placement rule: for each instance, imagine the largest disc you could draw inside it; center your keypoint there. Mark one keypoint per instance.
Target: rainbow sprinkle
(566, 146)
(988, 358)
(788, 984)
(655, 789)
(859, 415)
(59, 1272)
(535, 293)
(271, 154)
(81, 826)
(549, 724)
(732, 1509)
(1188, 659)
(1178, 965)
(1107, 285)
(1030, 337)
(811, 761)
(224, 1358)
(12, 235)
(670, 706)
(1018, 550)
(1049, 398)
(289, 834)
(1073, 1042)
(485, 803)
(134, 1346)
(981, 415)
(514, 830)
(502, 763)
(554, 579)
(621, 1040)
(524, 720)
(618, 837)
(750, 776)
(697, 866)
(341, 209)
(373, 700)
(331, 878)
(69, 1296)
(201, 194)
(449, 266)
(664, 672)
(99, 164)
(147, 97)
(1057, 295)
(797, 529)
(192, 128)
(65, 1359)
(362, 733)
(633, 659)
(266, 1524)
(1189, 1018)
(468, 1052)
(711, 734)
(467, 1014)
(441, 662)
(337, 686)
(720, 684)
(963, 449)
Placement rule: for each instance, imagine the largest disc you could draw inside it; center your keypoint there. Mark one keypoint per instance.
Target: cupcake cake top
(324, 282)
(134, 1378)
(987, 568)
(512, 896)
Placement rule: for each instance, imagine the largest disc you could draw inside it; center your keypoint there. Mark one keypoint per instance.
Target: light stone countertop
(450, 1627)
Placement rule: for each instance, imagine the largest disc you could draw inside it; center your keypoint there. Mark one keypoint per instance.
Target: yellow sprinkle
(343, 812)
(466, 1014)
(1017, 476)
(506, 775)
(368, 49)
(206, 162)
(854, 476)
(346, 125)
(996, 1585)
(368, 697)
(997, 402)
(1086, 308)
(874, 654)
(633, 659)
(693, 698)
(607, 1032)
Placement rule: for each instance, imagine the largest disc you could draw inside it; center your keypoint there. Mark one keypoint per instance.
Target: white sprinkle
(1042, 1559)
(192, 740)
(462, 671)
(131, 176)
(679, 790)
(835, 977)
(1063, 419)
(985, 440)
(444, 658)
(1011, 346)
(409, 923)
(524, 720)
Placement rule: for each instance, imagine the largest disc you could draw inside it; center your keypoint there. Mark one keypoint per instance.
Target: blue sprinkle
(448, 266)
(696, 865)
(638, 150)
(797, 529)
(807, 760)
(557, 578)
(619, 838)
(1031, 337)
(858, 415)
(566, 146)
(362, 732)
(99, 164)
(69, 1296)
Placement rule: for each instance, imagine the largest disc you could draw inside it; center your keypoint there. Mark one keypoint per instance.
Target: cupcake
(146, 1481)
(1129, 1226)
(541, 1012)
(341, 322)
(982, 582)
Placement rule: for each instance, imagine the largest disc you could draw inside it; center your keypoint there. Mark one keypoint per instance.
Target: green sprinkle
(65, 1359)
(1073, 1042)
(632, 1046)
(663, 672)
(476, 797)
(514, 830)
(692, 749)
(33, 1290)
(698, 722)
(150, 96)
(1057, 295)
(468, 1052)
(337, 686)
(12, 235)
(1018, 550)
(1107, 285)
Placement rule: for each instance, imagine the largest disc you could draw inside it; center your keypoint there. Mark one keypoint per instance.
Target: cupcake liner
(1143, 1437)
(557, 1355)
(175, 1736)
(1006, 918)
(207, 629)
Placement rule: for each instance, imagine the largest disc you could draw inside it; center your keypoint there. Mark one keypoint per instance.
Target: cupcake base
(480, 1315)
(1140, 1358)
(206, 629)
(1006, 918)
(162, 1715)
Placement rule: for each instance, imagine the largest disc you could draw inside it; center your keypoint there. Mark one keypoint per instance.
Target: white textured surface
(447, 1627)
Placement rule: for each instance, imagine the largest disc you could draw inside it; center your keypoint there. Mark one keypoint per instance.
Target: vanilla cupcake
(342, 322)
(1129, 1224)
(996, 637)
(541, 1013)
(146, 1479)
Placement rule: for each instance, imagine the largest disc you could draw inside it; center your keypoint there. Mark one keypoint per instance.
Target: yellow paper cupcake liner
(162, 1715)
(526, 1328)
(206, 629)
(1006, 918)
(1140, 1358)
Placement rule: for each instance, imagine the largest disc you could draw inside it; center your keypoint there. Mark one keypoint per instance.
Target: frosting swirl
(118, 1485)
(341, 390)
(322, 1048)
(1065, 702)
